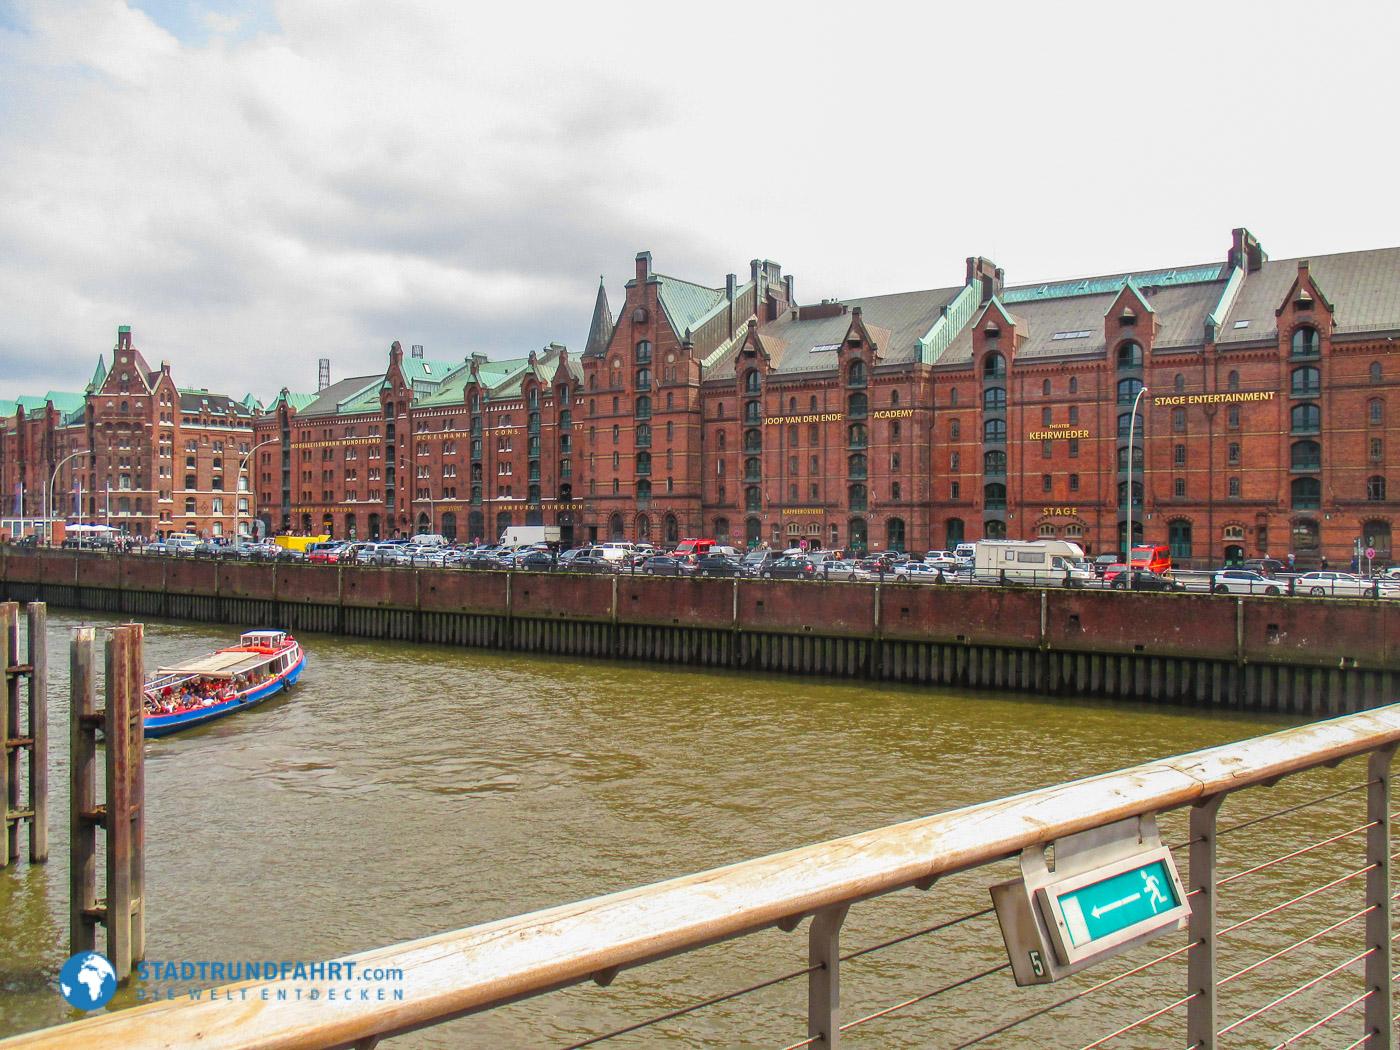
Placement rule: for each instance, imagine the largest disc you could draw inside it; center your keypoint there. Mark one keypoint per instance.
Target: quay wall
(1292, 655)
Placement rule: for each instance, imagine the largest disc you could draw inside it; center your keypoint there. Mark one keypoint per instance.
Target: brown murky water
(405, 790)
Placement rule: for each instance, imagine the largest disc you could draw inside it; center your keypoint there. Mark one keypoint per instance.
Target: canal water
(403, 790)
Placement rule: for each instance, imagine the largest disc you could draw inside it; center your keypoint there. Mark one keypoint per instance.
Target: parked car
(1112, 571)
(837, 570)
(946, 560)
(1104, 562)
(592, 563)
(324, 553)
(755, 561)
(664, 565)
(535, 561)
(1243, 581)
(792, 567)
(1343, 585)
(718, 565)
(1142, 580)
(920, 572)
(1265, 566)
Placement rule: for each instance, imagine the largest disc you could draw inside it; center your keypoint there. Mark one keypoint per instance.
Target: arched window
(857, 406)
(643, 490)
(643, 407)
(857, 497)
(1123, 457)
(617, 433)
(994, 462)
(643, 435)
(1375, 488)
(1130, 355)
(753, 441)
(753, 469)
(1045, 387)
(792, 404)
(894, 398)
(1375, 371)
(752, 381)
(995, 529)
(534, 398)
(1233, 381)
(994, 496)
(858, 436)
(894, 534)
(1377, 412)
(753, 412)
(1307, 381)
(994, 430)
(1306, 455)
(1179, 384)
(1128, 389)
(856, 373)
(1307, 494)
(994, 399)
(644, 379)
(753, 498)
(856, 466)
(643, 463)
(644, 352)
(719, 440)
(670, 530)
(1306, 418)
(1306, 342)
(1123, 494)
(994, 366)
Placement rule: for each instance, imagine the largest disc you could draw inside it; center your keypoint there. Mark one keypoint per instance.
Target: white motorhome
(516, 536)
(1049, 562)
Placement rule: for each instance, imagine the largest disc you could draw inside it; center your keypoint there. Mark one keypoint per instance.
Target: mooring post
(9, 744)
(83, 815)
(39, 732)
(117, 731)
(136, 696)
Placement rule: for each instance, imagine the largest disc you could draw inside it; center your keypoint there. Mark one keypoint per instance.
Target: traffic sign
(1370, 552)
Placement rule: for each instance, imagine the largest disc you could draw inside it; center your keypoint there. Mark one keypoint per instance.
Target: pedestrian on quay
(1290, 561)
(1324, 564)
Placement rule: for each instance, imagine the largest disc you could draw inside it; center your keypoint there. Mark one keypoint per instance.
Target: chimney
(323, 374)
(731, 282)
(986, 273)
(1245, 251)
(395, 352)
(643, 266)
(416, 350)
(791, 295)
(124, 337)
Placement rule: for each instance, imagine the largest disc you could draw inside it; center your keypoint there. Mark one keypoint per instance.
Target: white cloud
(252, 189)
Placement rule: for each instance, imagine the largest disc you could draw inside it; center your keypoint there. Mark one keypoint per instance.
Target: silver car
(1242, 581)
(1342, 585)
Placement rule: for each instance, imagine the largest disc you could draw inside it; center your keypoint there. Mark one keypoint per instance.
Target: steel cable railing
(1296, 991)
(1319, 1023)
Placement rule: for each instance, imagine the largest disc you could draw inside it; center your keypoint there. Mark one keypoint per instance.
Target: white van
(1047, 562)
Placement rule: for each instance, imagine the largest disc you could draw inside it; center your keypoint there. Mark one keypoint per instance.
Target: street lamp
(1132, 425)
(51, 494)
(252, 493)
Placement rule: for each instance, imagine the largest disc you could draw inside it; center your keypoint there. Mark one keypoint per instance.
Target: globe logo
(88, 981)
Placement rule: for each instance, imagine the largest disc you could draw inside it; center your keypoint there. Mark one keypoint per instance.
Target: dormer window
(1127, 318)
(1304, 300)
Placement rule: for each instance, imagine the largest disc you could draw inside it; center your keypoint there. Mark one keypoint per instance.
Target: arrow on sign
(1104, 909)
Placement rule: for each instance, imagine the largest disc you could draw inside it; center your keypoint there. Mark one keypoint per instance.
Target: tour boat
(225, 681)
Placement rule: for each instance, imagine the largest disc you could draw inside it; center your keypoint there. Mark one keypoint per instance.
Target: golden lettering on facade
(815, 417)
(1059, 512)
(892, 413)
(1214, 399)
(813, 510)
(1052, 435)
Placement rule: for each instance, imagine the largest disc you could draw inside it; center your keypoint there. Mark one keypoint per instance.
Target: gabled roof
(685, 303)
(99, 375)
(195, 401)
(342, 397)
(1363, 287)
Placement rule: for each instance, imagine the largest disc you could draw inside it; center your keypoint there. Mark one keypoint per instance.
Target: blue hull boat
(262, 664)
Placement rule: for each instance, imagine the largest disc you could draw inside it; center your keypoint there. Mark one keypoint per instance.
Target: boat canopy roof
(224, 664)
(264, 639)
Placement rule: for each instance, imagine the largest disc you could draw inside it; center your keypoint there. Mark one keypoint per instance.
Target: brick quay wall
(1311, 657)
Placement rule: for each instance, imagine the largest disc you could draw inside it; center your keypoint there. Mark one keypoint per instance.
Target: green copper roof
(955, 318)
(99, 376)
(1100, 285)
(1227, 300)
(298, 401)
(687, 304)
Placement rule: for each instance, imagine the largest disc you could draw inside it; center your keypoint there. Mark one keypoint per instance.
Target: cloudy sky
(254, 184)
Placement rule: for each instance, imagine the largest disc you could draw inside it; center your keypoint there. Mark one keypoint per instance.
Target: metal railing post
(1200, 960)
(1379, 1034)
(824, 983)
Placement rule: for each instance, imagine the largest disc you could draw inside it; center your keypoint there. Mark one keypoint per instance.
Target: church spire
(601, 329)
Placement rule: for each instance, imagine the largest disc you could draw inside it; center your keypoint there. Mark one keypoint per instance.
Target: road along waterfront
(402, 790)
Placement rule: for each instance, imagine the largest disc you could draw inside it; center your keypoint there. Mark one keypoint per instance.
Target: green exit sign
(1097, 910)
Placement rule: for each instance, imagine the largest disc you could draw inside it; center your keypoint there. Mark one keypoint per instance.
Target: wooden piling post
(125, 837)
(84, 815)
(9, 790)
(39, 732)
(136, 694)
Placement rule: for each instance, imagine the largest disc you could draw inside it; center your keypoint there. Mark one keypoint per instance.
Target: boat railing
(1259, 961)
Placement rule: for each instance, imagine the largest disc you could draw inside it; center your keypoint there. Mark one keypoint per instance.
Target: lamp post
(51, 496)
(252, 493)
(1132, 426)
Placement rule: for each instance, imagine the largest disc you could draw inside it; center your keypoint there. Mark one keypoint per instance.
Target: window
(1232, 456)
(994, 399)
(894, 398)
(1179, 487)
(1376, 450)
(1232, 417)
(953, 462)
(1045, 483)
(1128, 390)
(1307, 494)
(643, 352)
(644, 379)
(856, 466)
(856, 497)
(1073, 448)
(752, 382)
(793, 436)
(813, 434)
(1375, 488)
(1179, 538)
(856, 373)
(1130, 356)
(1233, 382)
(1073, 415)
(1074, 384)
(1375, 371)
(643, 407)
(815, 467)
(1074, 482)
(994, 462)
(1307, 381)
(1306, 455)
(1045, 415)
(894, 490)
(954, 430)
(994, 367)
(1377, 412)
(1179, 455)
(1047, 449)
(994, 430)
(857, 406)
(1046, 531)
(1179, 384)
(643, 435)
(1045, 388)
(1306, 342)
(1306, 418)
(1179, 419)
(955, 491)
(994, 496)
(1123, 458)
(894, 430)
(858, 435)
(643, 463)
